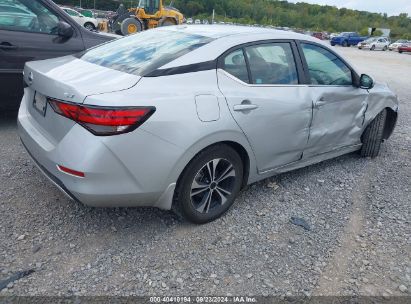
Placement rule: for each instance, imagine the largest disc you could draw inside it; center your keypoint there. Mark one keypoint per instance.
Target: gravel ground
(358, 210)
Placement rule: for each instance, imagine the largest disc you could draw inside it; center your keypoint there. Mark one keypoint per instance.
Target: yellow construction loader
(149, 14)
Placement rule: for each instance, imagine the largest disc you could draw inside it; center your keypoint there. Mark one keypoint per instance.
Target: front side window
(272, 63)
(27, 16)
(144, 52)
(235, 64)
(324, 67)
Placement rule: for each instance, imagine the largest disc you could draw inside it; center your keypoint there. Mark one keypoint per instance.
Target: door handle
(245, 106)
(7, 46)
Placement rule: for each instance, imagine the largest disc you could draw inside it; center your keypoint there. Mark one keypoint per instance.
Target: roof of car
(226, 37)
(218, 31)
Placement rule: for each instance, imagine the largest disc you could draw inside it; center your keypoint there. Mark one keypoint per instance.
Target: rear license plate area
(40, 103)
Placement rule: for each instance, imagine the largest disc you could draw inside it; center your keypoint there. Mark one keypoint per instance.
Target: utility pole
(80, 4)
(94, 4)
(212, 19)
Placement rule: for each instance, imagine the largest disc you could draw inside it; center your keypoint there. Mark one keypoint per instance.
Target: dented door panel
(338, 118)
(277, 120)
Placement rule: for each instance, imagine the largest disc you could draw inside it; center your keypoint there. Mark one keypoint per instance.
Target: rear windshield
(145, 52)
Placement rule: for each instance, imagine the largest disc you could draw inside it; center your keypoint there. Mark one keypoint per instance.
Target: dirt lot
(358, 211)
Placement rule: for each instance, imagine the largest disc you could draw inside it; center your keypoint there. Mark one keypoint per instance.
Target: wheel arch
(89, 22)
(244, 157)
(240, 146)
(390, 123)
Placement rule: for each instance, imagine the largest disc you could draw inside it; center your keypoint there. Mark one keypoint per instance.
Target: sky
(391, 7)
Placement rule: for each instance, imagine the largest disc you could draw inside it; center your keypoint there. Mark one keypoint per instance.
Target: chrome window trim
(258, 85)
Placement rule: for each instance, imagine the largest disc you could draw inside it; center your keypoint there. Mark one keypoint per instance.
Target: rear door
(27, 33)
(262, 83)
(339, 106)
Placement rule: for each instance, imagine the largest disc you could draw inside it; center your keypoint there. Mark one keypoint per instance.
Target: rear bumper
(58, 183)
(108, 181)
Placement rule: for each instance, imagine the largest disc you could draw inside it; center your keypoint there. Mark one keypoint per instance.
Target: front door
(262, 87)
(28, 32)
(338, 106)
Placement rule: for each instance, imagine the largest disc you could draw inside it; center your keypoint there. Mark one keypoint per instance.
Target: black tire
(345, 44)
(131, 23)
(373, 136)
(332, 44)
(90, 26)
(385, 48)
(372, 48)
(400, 52)
(212, 204)
(168, 22)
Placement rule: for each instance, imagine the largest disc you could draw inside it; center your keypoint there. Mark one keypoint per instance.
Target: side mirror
(366, 82)
(64, 30)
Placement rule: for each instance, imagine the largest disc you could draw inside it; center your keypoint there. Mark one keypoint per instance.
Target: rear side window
(272, 63)
(145, 52)
(235, 64)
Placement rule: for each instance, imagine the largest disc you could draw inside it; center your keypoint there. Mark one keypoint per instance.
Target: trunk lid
(67, 79)
(72, 79)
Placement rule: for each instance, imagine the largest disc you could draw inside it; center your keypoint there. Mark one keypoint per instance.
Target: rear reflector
(71, 171)
(103, 121)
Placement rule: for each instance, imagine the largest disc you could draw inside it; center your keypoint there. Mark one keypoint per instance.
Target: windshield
(145, 52)
(345, 34)
(370, 40)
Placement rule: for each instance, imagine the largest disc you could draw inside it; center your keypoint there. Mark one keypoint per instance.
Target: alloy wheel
(213, 185)
(89, 27)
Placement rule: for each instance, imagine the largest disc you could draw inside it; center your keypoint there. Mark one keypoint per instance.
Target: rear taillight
(103, 121)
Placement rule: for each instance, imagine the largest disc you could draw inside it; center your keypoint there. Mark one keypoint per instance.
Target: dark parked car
(35, 30)
(347, 39)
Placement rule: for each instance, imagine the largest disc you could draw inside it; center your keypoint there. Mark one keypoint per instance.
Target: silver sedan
(185, 117)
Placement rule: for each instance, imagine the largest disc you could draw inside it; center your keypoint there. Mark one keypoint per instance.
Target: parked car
(197, 21)
(89, 23)
(318, 35)
(374, 44)
(244, 105)
(190, 21)
(347, 39)
(405, 48)
(36, 29)
(394, 46)
(86, 12)
(332, 35)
